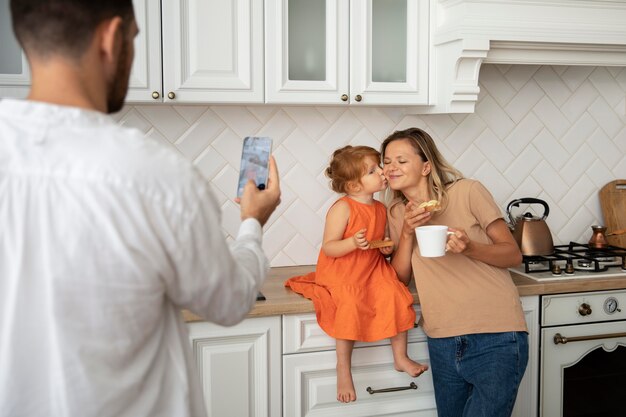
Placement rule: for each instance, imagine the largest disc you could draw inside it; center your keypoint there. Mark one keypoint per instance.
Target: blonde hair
(347, 165)
(442, 173)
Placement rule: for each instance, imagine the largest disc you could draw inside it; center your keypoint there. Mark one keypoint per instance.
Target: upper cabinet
(337, 51)
(14, 72)
(212, 52)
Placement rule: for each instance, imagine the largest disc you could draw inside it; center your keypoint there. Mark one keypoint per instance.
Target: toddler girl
(356, 292)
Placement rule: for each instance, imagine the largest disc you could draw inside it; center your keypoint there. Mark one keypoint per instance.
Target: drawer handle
(558, 338)
(412, 385)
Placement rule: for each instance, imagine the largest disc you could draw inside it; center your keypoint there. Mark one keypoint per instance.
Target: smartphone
(255, 157)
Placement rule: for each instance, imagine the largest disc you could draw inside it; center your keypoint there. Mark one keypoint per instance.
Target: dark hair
(348, 165)
(442, 173)
(63, 26)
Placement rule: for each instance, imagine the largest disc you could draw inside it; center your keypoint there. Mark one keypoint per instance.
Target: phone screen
(255, 158)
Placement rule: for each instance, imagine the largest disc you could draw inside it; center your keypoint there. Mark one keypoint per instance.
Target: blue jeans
(477, 375)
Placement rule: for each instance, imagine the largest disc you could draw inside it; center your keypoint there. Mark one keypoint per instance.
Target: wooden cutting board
(613, 203)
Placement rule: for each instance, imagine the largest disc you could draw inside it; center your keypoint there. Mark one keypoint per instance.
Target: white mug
(432, 240)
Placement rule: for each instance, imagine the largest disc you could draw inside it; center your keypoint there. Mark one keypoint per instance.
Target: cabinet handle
(358, 97)
(171, 95)
(155, 95)
(558, 338)
(344, 97)
(413, 385)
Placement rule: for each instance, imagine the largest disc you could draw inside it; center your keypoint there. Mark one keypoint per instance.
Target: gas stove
(575, 261)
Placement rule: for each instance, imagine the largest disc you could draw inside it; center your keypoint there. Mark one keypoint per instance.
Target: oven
(583, 335)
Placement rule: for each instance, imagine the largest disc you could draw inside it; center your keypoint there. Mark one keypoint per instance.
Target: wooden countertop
(280, 300)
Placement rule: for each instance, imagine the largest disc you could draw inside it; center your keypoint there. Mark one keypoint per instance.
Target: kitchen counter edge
(281, 300)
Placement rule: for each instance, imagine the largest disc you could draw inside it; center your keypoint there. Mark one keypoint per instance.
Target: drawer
(301, 333)
(310, 385)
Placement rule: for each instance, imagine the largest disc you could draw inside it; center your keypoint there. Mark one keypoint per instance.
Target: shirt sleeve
(483, 206)
(213, 279)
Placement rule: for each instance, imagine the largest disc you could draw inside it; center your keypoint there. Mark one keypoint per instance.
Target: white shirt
(104, 236)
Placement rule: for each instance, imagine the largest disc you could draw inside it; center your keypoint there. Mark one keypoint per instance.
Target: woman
(471, 312)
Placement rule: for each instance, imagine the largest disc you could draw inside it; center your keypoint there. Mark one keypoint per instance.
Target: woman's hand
(414, 217)
(458, 242)
(386, 250)
(360, 240)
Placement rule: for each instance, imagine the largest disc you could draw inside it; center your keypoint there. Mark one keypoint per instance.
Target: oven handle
(558, 338)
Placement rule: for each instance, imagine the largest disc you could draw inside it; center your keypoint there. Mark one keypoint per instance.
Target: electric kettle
(531, 233)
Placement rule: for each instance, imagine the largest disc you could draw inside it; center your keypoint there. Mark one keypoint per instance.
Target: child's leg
(401, 361)
(345, 386)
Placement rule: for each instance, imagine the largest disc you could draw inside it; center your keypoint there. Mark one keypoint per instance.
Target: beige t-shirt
(460, 295)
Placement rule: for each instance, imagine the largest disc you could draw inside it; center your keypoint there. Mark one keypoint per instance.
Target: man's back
(97, 231)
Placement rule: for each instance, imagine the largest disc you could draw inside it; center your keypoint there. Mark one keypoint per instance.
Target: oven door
(583, 370)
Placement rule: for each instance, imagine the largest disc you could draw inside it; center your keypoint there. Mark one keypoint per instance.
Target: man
(105, 235)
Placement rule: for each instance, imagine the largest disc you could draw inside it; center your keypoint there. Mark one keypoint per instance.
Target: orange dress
(358, 296)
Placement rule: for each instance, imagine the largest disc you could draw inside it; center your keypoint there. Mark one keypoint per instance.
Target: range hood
(467, 33)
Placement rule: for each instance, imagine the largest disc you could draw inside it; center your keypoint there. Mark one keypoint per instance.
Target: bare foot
(345, 386)
(411, 367)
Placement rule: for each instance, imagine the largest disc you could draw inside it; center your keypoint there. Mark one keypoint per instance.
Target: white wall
(553, 132)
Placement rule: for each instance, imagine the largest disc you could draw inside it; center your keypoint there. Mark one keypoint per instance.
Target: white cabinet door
(310, 384)
(213, 51)
(144, 84)
(347, 52)
(239, 366)
(526, 402)
(389, 51)
(14, 71)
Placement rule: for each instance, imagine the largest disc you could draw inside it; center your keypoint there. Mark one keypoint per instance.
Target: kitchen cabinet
(347, 52)
(14, 71)
(526, 404)
(211, 52)
(239, 366)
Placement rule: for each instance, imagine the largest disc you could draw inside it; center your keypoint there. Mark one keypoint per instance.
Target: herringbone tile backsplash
(553, 132)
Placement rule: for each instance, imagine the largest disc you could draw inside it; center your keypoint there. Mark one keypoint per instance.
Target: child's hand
(388, 250)
(360, 240)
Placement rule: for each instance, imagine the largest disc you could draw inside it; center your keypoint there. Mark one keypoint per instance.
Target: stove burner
(576, 257)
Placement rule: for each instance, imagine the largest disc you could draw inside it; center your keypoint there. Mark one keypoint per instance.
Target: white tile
(332, 113)
(620, 140)
(524, 101)
(306, 186)
(599, 174)
(602, 112)
(284, 159)
(282, 260)
(165, 119)
(394, 113)
(463, 136)
(579, 101)
(528, 188)
(200, 135)
(190, 113)
(604, 148)
(552, 85)
(226, 181)
(229, 144)
(374, 120)
(550, 180)
(239, 119)
(577, 165)
(494, 181)
(523, 133)
(551, 116)
(276, 236)
(551, 149)
(608, 88)
(210, 162)
(578, 226)
(575, 75)
(263, 113)
(301, 252)
(441, 125)
(495, 117)
(306, 222)
(523, 166)
(578, 133)
(340, 132)
(365, 138)
(309, 120)
(621, 78)
(278, 127)
(492, 148)
(470, 161)
(307, 152)
(156, 135)
(519, 75)
(231, 217)
(495, 83)
(133, 119)
(620, 169)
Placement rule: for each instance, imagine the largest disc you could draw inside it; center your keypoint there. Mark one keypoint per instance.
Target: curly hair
(347, 165)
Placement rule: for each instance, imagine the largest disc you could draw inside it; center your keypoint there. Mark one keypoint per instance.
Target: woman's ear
(426, 168)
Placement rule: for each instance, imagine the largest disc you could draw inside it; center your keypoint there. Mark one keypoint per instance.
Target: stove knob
(584, 309)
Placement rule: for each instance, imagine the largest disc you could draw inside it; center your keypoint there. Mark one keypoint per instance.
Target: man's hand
(261, 204)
